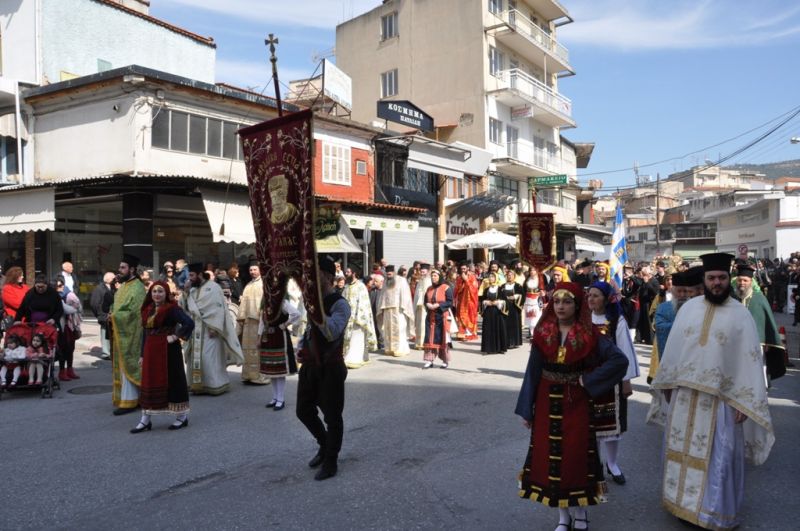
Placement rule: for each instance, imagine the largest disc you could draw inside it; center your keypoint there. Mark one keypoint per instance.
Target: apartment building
(487, 71)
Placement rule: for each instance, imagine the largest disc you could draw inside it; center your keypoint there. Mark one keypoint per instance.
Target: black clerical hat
(326, 264)
(745, 270)
(694, 276)
(131, 260)
(390, 269)
(196, 267)
(680, 279)
(717, 262)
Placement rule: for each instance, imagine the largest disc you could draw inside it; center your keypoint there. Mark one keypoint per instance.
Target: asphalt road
(423, 449)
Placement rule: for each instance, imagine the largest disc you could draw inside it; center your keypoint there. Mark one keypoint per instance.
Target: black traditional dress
(494, 338)
(514, 296)
(164, 389)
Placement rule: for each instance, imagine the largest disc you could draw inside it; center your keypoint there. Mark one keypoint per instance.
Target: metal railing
(535, 90)
(535, 156)
(534, 33)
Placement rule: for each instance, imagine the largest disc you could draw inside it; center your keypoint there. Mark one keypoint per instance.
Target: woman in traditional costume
(277, 352)
(534, 287)
(494, 338)
(438, 301)
(611, 410)
(164, 389)
(570, 364)
(513, 293)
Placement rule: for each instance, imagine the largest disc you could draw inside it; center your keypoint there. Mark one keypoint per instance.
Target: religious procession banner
(279, 157)
(537, 239)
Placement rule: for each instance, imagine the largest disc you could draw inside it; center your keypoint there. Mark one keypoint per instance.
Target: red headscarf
(547, 328)
(148, 305)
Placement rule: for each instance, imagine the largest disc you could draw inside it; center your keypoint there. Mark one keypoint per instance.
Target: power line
(721, 160)
(650, 164)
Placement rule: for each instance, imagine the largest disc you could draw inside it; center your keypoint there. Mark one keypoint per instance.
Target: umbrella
(490, 239)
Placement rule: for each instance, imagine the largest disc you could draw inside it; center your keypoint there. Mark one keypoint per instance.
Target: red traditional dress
(436, 322)
(466, 302)
(562, 467)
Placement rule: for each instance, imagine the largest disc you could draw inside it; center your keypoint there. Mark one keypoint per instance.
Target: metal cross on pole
(272, 41)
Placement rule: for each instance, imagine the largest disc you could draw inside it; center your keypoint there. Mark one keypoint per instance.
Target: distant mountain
(773, 170)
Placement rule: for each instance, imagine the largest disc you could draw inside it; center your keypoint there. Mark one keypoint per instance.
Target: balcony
(521, 160)
(518, 33)
(515, 88)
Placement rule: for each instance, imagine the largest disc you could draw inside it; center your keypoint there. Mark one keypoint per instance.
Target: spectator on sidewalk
(70, 279)
(14, 291)
(100, 302)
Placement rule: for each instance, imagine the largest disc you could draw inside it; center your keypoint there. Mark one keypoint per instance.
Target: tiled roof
(209, 41)
(369, 204)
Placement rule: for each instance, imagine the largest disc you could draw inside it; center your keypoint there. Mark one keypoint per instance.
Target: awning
(373, 222)
(478, 162)
(341, 242)
(435, 159)
(582, 243)
(481, 205)
(24, 210)
(232, 213)
(8, 126)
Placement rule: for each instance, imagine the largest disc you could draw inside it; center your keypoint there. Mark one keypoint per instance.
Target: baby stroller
(26, 331)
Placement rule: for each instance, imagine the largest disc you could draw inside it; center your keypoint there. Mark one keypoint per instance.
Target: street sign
(743, 249)
(548, 180)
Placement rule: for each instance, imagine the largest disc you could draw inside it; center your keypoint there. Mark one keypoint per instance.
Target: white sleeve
(625, 344)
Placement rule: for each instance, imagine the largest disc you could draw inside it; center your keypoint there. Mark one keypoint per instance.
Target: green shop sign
(549, 180)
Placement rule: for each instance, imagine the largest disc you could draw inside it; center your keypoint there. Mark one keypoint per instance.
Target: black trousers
(322, 387)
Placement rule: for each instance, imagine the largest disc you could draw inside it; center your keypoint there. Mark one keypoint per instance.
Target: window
(495, 6)
(8, 156)
(505, 186)
(495, 128)
(197, 134)
(160, 132)
(335, 164)
(512, 137)
(548, 196)
(495, 61)
(643, 236)
(389, 26)
(214, 146)
(419, 181)
(181, 131)
(361, 167)
(389, 84)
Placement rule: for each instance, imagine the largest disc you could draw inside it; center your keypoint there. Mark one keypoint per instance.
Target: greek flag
(619, 251)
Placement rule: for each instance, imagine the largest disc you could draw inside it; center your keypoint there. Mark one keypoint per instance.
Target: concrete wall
(19, 33)
(76, 33)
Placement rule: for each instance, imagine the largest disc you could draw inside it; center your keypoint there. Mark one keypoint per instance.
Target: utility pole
(658, 224)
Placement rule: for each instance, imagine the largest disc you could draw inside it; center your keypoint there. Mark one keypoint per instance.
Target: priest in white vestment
(395, 314)
(420, 311)
(359, 335)
(213, 344)
(249, 317)
(711, 375)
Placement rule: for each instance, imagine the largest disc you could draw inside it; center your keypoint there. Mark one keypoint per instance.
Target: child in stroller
(37, 353)
(13, 357)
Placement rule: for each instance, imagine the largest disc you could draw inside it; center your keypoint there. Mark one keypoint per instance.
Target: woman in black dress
(514, 295)
(494, 338)
(163, 390)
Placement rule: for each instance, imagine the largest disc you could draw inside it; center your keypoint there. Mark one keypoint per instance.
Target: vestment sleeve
(612, 368)
(530, 383)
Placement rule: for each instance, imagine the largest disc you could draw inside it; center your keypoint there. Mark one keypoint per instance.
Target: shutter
(403, 248)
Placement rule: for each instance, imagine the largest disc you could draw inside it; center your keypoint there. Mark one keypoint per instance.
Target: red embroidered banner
(278, 155)
(537, 239)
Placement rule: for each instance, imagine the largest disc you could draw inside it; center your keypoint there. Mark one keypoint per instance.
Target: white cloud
(307, 13)
(678, 24)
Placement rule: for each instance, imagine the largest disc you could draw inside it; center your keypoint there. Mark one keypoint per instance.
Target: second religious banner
(537, 239)
(278, 155)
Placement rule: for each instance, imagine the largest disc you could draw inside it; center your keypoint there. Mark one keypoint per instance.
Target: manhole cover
(91, 390)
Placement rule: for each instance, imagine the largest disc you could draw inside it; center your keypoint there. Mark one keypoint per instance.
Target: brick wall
(362, 187)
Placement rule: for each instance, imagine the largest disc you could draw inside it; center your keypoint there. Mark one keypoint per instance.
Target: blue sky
(654, 80)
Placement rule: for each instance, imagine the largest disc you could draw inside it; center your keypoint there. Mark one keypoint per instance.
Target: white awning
(436, 157)
(341, 242)
(24, 210)
(478, 162)
(583, 243)
(8, 126)
(377, 222)
(232, 213)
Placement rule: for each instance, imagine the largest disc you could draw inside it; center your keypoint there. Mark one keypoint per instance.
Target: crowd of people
(715, 348)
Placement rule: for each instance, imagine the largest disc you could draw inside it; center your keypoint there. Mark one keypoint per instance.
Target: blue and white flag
(619, 250)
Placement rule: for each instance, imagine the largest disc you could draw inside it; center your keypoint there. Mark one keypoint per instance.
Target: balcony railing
(542, 158)
(534, 33)
(535, 90)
